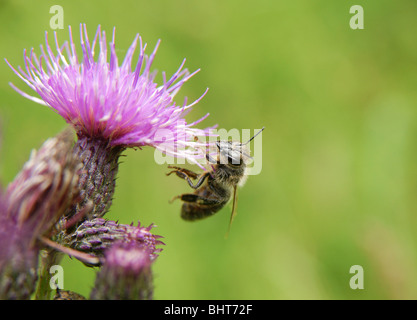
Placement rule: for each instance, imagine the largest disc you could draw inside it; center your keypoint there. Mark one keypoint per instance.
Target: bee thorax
(228, 175)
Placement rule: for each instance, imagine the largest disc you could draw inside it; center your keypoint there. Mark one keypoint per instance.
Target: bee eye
(234, 161)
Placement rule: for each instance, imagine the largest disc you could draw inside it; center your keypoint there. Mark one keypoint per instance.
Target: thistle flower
(125, 275)
(107, 101)
(110, 107)
(44, 189)
(97, 235)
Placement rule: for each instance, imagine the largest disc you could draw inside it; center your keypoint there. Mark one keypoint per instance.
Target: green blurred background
(339, 180)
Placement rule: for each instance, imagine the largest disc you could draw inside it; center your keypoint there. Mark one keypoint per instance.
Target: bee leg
(195, 198)
(173, 199)
(191, 197)
(184, 175)
(189, 173)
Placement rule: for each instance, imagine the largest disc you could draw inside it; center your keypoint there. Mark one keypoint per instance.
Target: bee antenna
(246, 155)
(242, 144)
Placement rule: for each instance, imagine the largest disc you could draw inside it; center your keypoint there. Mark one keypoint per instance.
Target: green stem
(49, 257)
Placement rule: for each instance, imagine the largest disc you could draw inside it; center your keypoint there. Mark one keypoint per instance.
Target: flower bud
(39, 195)
(125, 274)
(97, 235)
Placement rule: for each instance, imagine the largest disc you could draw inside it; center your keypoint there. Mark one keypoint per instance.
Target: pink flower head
(104, 100)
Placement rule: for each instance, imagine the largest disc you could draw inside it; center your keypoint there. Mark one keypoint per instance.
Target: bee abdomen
(191, 212)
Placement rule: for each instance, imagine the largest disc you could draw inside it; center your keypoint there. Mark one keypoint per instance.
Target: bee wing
(234, 209)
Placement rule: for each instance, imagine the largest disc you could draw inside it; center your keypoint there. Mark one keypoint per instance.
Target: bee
(214, 188)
